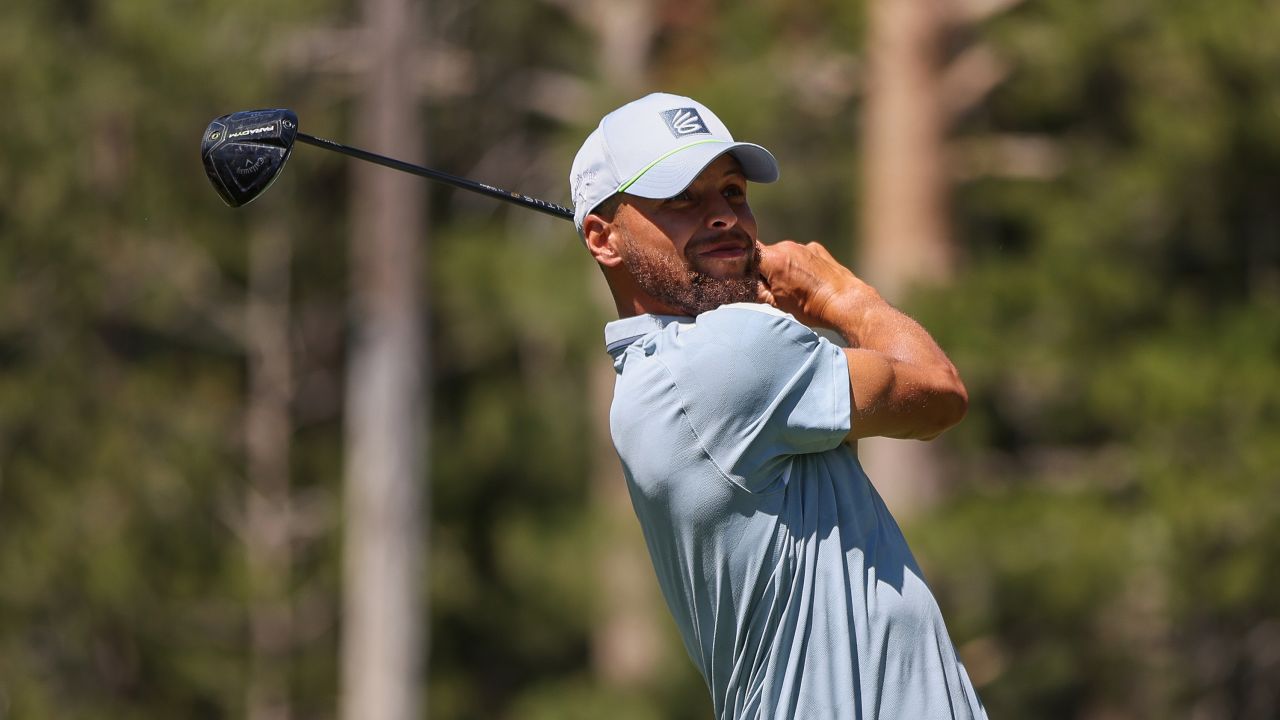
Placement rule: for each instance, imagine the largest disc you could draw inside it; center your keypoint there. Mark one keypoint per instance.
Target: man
(736, 424)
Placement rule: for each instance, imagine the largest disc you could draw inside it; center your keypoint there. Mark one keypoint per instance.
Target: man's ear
(601, 239)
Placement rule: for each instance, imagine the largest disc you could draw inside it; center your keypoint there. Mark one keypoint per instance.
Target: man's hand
(806, 281)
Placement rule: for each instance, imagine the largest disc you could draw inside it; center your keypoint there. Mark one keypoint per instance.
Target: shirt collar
(620, 334)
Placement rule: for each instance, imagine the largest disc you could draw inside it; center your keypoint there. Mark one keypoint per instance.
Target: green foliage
(1107, 550)
(510, 591)
(121, 389)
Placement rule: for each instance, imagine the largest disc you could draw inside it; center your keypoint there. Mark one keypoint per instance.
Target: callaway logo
(580, 184)
(251, 166)
(684, 121)
(252, 131)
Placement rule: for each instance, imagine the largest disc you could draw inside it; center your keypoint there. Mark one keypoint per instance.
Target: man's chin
(710, 293)
(728, 269)
(697, 285)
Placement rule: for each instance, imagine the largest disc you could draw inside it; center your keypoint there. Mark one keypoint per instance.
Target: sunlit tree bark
(383, 656)
(626, 639)
(906, 234)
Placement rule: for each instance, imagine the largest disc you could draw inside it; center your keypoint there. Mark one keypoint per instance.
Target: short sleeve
(758, 386)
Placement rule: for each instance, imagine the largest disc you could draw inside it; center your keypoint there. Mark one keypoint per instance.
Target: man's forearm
(921, 379)
(865, 320)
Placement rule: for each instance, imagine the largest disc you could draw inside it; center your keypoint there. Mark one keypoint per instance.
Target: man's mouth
(725, 248)
(730, 251)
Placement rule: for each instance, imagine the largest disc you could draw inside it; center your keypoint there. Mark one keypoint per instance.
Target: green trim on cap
(634, 178)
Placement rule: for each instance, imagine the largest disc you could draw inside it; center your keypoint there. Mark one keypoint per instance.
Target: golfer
(791, 584)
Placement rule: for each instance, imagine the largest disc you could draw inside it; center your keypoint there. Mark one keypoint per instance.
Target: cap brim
(671, 175)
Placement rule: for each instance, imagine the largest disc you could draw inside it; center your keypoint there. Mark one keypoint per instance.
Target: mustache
(733, 235)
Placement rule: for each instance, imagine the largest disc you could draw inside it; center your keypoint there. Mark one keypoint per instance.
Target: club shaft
(458, 182)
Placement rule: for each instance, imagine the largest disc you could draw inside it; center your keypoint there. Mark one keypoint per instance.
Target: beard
(677, 282)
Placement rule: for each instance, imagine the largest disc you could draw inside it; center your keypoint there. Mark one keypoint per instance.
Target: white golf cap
(654, 147)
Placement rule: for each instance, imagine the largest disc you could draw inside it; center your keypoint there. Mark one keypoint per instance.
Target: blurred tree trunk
(906, 234)
(626, 641)
(915, 92)
(906, 230)
(267, 532)
(383, 658)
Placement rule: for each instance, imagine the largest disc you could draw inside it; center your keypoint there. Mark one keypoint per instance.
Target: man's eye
(735, 191)
(682, 197)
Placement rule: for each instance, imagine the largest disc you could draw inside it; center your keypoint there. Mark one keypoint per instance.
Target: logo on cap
(684, 121)
(581, 183)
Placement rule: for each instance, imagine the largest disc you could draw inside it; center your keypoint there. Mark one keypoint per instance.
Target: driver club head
(244, 152)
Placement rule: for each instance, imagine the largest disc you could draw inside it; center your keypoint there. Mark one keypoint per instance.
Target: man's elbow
(948, 405)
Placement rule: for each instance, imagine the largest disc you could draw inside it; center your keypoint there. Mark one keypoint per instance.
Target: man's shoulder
(737, 335)
(748, 313)
(750, 325)
(736, 346)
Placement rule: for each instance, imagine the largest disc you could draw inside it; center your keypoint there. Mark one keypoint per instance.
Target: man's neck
(632, 304)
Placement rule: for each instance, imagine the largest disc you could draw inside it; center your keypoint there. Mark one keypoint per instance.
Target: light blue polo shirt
(792, 586)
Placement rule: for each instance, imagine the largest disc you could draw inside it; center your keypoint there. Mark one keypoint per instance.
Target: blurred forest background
(204, 410)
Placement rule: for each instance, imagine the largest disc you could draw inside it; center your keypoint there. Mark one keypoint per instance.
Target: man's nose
(721, 215)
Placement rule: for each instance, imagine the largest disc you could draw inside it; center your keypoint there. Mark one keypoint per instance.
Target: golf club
(244, 152)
